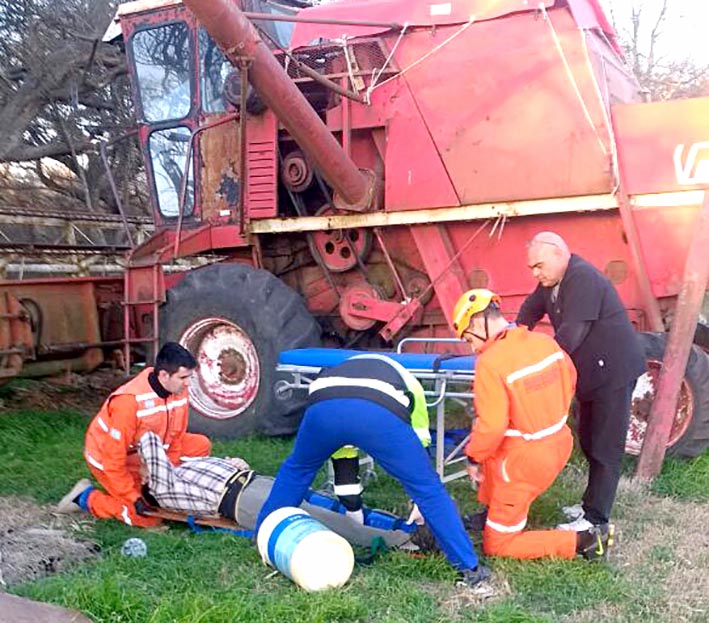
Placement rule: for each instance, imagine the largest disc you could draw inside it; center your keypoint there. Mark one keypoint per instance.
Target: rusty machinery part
(354, 298)
(16, 339)
(34, 316)
(370, 199)
(232, 94)
(238, 38)
(296, 173)
(418, 285)
(236, 341)
(340, 248)
(689, 435)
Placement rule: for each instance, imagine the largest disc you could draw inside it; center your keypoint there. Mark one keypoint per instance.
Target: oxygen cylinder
(304, 550)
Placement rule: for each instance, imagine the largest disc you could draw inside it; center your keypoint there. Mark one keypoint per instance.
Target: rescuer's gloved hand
(142, 508)
(415, 516)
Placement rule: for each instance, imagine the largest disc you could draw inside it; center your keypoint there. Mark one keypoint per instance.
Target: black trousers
(602, 429)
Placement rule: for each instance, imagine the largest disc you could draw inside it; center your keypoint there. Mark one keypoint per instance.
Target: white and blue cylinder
(304, 550)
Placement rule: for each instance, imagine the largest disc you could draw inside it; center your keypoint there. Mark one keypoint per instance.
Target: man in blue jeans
(366, 402)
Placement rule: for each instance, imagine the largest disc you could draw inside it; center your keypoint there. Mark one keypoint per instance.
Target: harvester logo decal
(694, 169)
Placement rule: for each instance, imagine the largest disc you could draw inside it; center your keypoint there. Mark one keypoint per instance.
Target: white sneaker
(572, 512)
(577, 525)
(66, 504)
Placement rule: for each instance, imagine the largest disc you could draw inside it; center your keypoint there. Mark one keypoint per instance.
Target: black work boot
(475, 522)
(595, 542)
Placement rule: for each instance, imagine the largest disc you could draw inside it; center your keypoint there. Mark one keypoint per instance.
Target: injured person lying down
(228, 488)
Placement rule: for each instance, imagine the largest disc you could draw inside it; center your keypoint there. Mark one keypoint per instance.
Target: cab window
(163, 62)
(168, 156)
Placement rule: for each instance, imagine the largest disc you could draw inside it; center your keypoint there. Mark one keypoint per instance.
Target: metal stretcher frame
(452, 380)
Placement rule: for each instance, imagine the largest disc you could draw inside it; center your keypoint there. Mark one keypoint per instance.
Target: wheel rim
(226, 380)
(643, 397)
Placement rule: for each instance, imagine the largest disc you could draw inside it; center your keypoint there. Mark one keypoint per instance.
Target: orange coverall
(524, 384)
(112, 437)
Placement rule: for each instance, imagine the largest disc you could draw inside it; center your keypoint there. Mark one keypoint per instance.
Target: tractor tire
(689, 435)
(235, 320)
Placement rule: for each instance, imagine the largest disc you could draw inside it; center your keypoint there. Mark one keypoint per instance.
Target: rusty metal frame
(112, 182)
(677, 351)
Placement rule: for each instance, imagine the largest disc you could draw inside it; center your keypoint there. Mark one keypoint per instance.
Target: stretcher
(445, 379)
(378, 524)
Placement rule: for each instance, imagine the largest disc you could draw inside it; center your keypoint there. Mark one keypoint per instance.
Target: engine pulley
(296, 172)
(353, 297)
(340, 248)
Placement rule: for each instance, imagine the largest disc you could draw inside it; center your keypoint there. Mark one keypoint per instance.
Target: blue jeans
(331, 424)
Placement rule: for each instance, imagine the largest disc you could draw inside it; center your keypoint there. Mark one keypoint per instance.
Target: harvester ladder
(131, 301)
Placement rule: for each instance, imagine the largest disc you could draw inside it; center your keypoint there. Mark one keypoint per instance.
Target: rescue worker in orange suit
(520, 441)
(154, 401)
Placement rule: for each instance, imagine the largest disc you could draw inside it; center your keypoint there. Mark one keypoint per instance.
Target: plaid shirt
(195, 486)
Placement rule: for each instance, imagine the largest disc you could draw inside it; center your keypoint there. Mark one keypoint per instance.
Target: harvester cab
(346, 171)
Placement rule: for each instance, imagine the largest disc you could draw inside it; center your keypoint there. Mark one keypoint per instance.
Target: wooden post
(679, 344)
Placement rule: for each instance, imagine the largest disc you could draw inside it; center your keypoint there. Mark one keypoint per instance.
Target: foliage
(644, 35)
(62, 89)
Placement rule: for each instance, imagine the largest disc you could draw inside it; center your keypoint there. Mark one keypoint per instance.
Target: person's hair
(492, 311)
(172, 357)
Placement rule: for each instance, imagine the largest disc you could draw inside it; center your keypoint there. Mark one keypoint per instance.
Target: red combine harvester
(349, 169)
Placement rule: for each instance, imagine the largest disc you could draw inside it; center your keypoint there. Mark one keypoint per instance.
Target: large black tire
(690, 431)
(235, 319)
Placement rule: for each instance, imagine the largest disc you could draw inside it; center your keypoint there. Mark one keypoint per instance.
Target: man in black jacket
(592, 326)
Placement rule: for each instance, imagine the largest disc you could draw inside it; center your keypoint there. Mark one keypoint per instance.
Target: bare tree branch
(643, 37)
(61, 89)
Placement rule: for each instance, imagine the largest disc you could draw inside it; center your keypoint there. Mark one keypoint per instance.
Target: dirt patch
(663, 553)
(458, 599)
(461, 599)
(76, 392)
(34, 543)
(666, 547)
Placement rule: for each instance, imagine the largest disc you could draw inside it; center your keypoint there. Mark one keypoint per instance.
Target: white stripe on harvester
(537, 367)
(102, 424)
(126, 516)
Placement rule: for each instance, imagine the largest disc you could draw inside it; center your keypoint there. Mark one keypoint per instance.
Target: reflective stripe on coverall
(367, 371)
(524, 384)
(332, 423)
(112, 438)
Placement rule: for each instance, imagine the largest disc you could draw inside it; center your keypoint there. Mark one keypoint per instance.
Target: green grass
(41, 453)
(686, 480)
(217, 577)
